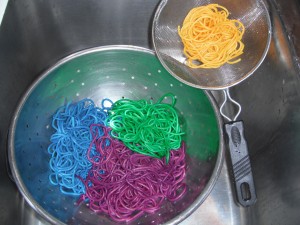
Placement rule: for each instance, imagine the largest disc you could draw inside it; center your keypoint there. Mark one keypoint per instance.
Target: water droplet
(82, 84)
(78, 71)
(155, 84)
(159, 71)
(132, 77)
(77, 94)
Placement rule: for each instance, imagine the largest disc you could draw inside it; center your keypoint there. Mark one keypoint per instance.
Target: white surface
(3, 4)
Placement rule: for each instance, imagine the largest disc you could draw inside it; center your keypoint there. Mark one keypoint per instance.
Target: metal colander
(110, 72)
(169, 48)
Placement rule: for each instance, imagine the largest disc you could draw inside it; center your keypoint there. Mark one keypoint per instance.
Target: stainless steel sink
(36, 34)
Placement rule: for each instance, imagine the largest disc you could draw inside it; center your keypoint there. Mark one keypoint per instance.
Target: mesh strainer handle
(242, 172)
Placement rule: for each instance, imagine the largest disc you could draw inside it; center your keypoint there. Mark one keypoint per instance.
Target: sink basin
(36, 34)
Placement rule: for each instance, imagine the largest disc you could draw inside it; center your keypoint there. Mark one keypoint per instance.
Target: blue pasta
(70, 143)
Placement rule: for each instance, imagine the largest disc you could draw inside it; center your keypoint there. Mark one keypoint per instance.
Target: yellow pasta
(209, 38)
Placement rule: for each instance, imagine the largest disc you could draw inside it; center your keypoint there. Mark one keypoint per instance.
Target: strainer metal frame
(11, 134)
(241, 167)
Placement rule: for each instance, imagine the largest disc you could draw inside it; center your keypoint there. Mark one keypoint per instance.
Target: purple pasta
(124, 184)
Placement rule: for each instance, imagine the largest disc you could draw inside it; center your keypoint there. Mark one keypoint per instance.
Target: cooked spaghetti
(124, 184)
(145, 127)
(70, 142)
(210, 38)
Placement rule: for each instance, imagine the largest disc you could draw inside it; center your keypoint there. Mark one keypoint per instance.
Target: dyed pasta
(145, 127)
(210, 39)
(124, 184)
(70, 142)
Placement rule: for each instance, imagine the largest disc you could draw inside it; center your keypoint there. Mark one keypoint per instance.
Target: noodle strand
(125, 184)
(210, 39)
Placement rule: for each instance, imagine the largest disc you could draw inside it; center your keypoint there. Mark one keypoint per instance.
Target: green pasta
(145, 127)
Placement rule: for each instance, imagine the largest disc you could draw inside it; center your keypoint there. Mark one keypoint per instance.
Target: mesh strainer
(169, 48)
(110, 72)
